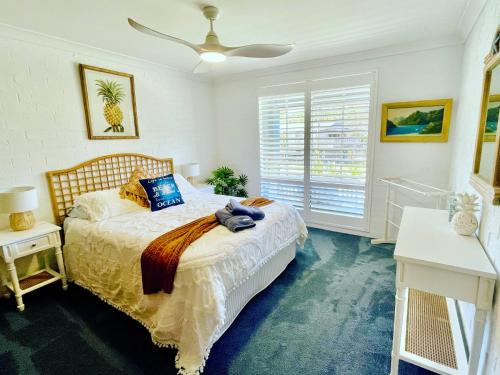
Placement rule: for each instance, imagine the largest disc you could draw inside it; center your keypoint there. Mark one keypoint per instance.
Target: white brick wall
(42, 122)
(476, 48)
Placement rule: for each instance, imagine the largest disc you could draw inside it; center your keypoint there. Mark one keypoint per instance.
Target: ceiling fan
(212, 51)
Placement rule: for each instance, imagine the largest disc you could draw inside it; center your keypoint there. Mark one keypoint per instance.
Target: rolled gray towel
(234, 223)
(236, 208)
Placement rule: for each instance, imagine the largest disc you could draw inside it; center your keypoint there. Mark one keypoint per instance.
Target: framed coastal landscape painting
(490, 130)
(419, 121)
(109, 102)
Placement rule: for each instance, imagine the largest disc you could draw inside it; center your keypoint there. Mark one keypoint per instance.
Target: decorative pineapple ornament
(465, 221)
(112, 94)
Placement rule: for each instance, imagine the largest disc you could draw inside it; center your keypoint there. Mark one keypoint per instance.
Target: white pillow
(78, 212)
(105, 204)
(184, 186)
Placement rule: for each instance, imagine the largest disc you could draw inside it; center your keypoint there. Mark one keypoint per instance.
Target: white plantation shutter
(314, 138)
(281, 120)
(338, 149)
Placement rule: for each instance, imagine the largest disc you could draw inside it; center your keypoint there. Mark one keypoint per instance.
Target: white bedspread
(104, 257)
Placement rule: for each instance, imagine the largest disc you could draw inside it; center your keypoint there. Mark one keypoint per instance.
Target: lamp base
(22, 220)
(192, 180)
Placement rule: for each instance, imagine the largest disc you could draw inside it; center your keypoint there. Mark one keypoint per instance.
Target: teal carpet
(330, 312)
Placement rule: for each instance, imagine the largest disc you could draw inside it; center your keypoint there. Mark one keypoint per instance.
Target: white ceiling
(319, 28)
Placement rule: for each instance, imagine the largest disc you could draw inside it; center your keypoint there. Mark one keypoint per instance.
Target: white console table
(436, 267)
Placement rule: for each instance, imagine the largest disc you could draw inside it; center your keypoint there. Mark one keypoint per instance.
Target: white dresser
(436, 267)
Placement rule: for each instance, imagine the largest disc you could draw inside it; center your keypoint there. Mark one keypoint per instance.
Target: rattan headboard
(102, 173)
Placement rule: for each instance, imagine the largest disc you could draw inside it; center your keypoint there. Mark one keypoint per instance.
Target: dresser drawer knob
(33, 244)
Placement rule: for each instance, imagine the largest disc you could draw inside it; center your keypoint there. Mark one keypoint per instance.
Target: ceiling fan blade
(152, 32)
(260, 50)
(202, 67)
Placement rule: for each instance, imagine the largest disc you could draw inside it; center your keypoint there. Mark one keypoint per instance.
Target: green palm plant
(226, 183)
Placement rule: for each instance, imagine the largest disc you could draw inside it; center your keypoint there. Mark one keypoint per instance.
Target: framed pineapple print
(109, 102)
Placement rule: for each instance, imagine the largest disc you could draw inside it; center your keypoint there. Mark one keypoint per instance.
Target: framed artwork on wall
(493, 108)
(109, 102)
(418, 121)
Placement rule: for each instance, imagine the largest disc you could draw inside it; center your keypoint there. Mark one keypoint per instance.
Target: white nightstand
(205, 188)
(15, 245)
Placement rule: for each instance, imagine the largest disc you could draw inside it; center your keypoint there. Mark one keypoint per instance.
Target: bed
(217, 275)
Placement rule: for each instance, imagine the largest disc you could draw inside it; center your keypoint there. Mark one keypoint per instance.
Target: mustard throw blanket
(160, 259)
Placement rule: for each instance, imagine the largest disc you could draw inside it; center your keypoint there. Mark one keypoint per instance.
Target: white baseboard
(340, 229)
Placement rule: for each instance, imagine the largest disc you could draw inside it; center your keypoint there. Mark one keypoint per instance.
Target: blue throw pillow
(162, 192)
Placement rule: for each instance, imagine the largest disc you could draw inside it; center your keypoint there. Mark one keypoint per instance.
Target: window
(338, 152)
(281, 119)
(314, 148)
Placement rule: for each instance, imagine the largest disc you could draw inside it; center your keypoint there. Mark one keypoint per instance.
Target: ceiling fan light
(212, 56)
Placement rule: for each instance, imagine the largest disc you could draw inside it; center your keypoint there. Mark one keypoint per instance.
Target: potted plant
(226, 183)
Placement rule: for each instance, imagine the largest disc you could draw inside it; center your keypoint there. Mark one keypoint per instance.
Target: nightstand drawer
(34, 243)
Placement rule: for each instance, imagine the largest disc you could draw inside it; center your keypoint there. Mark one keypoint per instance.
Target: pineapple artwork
(112, 94)
(109, 103)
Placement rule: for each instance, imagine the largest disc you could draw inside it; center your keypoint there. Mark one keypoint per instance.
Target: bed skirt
(260, 280)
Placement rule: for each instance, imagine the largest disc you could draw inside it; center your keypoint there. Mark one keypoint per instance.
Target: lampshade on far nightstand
(18, 202)
(191, 171)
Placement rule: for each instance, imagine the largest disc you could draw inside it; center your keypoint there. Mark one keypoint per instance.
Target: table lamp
(18, 202)
(191, 171)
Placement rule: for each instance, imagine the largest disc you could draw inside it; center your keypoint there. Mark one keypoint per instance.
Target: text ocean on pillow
(162, 192)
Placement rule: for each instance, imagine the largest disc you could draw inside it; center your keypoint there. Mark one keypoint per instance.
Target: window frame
(327, 220)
